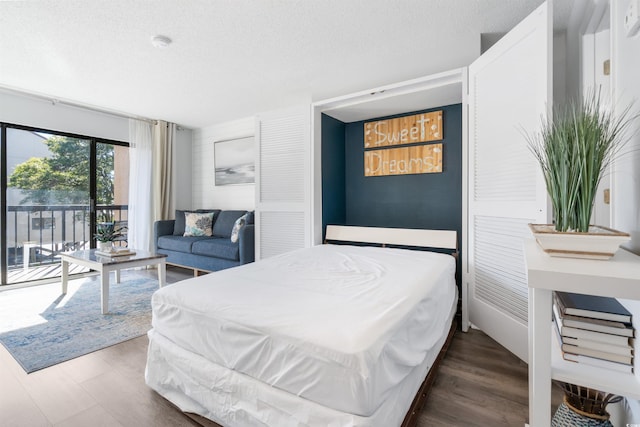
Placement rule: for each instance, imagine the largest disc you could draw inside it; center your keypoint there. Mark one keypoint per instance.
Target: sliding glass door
(57, 187)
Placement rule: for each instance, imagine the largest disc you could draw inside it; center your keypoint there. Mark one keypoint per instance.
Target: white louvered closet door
(509, 90)
(283, 174)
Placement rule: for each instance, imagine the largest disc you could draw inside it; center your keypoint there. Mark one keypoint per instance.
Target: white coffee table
(104, 265)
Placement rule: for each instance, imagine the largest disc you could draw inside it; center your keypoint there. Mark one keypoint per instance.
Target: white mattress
(341, 326)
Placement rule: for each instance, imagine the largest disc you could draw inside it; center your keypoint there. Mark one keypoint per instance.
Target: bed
(332, 335)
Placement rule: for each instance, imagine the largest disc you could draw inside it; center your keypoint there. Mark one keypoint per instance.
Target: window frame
(4, 257)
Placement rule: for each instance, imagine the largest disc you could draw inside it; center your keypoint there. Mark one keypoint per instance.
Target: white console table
(618, 277)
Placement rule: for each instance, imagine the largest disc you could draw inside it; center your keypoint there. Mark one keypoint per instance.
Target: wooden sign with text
(404, 130)
(403, 161)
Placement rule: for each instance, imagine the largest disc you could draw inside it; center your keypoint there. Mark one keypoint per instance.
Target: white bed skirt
(232, 399)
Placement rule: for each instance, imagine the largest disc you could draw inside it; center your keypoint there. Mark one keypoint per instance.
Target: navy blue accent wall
(428, 201)
(333, 172)
(432, 201)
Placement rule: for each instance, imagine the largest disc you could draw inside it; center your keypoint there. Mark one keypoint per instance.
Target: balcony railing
(37, 234)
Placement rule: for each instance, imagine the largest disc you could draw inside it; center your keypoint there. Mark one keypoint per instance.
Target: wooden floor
(479, 384)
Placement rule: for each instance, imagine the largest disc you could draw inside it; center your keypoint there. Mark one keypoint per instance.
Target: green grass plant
(574, 150)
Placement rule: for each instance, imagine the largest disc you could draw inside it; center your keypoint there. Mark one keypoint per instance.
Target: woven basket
(568, 416)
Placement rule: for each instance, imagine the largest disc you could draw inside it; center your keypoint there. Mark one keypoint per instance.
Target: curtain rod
(55, 101)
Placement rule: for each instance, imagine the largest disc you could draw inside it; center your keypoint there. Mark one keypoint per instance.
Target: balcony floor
(43, 272)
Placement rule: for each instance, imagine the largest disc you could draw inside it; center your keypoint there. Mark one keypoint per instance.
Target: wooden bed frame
(440, 239)
(436, 239)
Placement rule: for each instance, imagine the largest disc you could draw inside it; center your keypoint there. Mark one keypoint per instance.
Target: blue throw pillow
(225, 221)
(178, 226)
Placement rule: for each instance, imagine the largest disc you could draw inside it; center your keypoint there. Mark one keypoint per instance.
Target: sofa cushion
(178, 227)
(250, 217)
(219, 247)
(177, 243)
(225, 221)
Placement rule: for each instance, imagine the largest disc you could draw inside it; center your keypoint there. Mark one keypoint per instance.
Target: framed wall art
(235, 161)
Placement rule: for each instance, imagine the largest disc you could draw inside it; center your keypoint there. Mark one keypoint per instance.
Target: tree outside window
(63, 178)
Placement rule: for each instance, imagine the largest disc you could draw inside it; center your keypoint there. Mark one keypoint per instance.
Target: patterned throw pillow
(198, 224)
(240, 222)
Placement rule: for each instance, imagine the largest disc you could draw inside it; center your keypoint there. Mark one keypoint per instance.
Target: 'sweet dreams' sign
(403, 161)
(422, 127)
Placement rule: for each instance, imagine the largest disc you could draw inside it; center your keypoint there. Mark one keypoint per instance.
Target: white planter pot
(105, 246)
(598, 243)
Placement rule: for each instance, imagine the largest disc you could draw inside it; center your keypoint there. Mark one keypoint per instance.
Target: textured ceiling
(233, 58)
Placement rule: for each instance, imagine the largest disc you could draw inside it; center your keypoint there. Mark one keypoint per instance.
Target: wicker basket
(583, 407)
(568, 416)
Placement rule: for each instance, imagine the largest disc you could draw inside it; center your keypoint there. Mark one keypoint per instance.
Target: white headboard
(444, 239)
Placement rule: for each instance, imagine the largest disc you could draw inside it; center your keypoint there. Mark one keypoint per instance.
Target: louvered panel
(284, 176)
(504, 299)
(499, 264)
(504, 169)
(281, 232)
(508, 276)
(282, 159)
(509, 299)
(504, 179)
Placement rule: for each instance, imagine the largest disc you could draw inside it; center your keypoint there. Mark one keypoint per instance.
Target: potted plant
(583, 406)
(105, 234)
(574, 149)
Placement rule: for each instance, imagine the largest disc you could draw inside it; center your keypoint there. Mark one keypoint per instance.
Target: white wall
(205, 194)
(560, 68)
(625, 66)
(31, 111)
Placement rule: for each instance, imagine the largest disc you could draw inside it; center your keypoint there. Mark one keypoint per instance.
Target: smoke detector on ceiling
(161, 42)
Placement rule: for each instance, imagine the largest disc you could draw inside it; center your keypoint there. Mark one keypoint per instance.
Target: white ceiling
(234, 58)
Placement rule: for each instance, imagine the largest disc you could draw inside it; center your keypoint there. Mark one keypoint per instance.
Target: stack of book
(594, 330)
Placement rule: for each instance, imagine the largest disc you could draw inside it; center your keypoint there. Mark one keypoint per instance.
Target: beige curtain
(164, 135)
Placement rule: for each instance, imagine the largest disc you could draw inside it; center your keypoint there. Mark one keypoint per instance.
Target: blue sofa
(206, 253)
